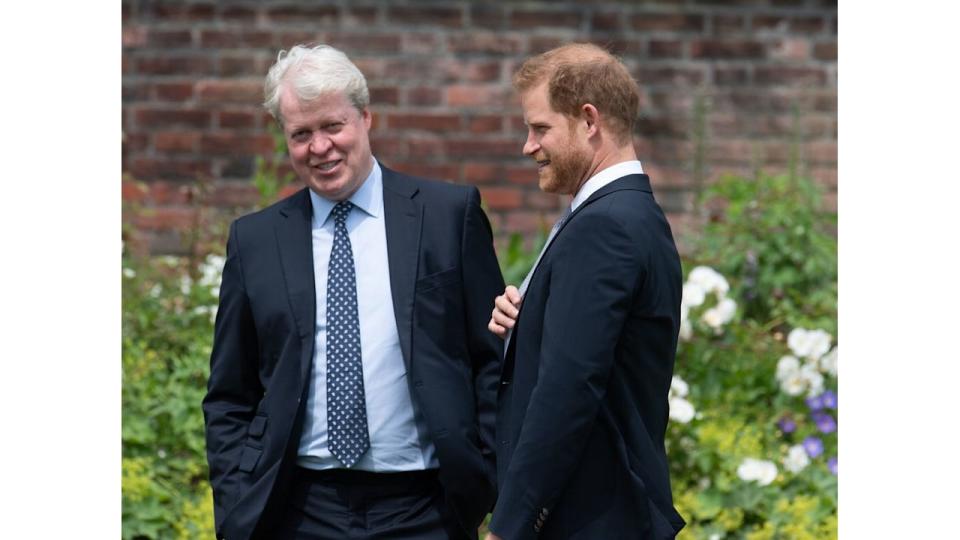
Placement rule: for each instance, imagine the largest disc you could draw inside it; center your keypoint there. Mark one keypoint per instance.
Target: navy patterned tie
(346, 408)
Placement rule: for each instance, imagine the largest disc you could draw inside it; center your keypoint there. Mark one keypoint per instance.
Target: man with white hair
(353, 383)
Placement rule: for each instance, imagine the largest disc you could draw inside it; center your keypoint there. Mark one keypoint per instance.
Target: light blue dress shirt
(394, 424)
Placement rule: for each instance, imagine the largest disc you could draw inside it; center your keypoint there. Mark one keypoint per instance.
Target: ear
(367, 118)
(591, 116)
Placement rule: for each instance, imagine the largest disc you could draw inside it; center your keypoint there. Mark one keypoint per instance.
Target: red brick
(220, 91)
(731, 76)
(426, 147)
(173, 91)
(488, 71)
(423, 170)
(132, 191)
(485, 124)
(789, 75)
(384, 95)
(286, 39)
(427, 121)
(445, 16)
(177, 218)
(502, 198)
(541, 44)
(728, 24)
(525, 175)
(169, 38)
(541, 18)
(134, 142)
(232, 66)
(712, 48)
(409, 68)
(825, 177)
(544, 201)
(474, 95)
(132, 91)
(238, 13)
(666, 49)
(790, 49)
(236, 119)
(673, 22)
(670, 75)
(133, 36)
(388, 145)
(170, 193)
(485, 42)
(364, 42)
(143, 168)
(482, 173)
(618, 47)
(421, 43)
(482, 148)
(172, 117)
(528, 222)
(423, 95)
(212, 39)
(359, 15)
(176, 141)
(821, 152)
(234, 194)
(317, 15)
(174, 65)
(606, 22)
(230, 144)
(779, 23)
(825, 51)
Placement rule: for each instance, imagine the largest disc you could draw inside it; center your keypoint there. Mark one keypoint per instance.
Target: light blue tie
(346, 407)
(526, 281)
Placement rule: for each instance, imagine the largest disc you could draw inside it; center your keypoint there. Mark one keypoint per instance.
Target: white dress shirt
(603, 178)
(394, 426)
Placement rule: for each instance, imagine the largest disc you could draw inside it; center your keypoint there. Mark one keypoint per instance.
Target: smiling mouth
(327, 165)
(542, 163)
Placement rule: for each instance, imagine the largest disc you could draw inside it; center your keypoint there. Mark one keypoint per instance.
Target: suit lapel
(295, 244)
(403, 217)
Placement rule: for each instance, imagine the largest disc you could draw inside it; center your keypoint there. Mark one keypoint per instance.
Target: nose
(319, 143)
(531, 146)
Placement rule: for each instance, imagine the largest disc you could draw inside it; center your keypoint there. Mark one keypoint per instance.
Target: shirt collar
(603, 178)
(368, 197)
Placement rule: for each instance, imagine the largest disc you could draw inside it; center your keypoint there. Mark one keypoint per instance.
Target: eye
(333, 127)
(301, 135)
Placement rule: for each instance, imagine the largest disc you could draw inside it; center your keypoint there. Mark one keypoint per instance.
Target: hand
(505, 310)
(490, 535)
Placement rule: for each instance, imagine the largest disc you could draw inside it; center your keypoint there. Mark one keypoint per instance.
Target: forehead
(332, 104)
(535, 103)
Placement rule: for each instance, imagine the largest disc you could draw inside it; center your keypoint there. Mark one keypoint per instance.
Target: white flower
(686, 329)
(720, 314)
(129, 273)
(678, 387)
(811, 375)
(715, 536)
(185, 283)
(211, 269)
(828, 364)
(810, 344)
(709, 280)
(693, 294)
(787, 366)
(794, 384)
(155, 291)
(760, 471)
(681, 410)
(796, 459)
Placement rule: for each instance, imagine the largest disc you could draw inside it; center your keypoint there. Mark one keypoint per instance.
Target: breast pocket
(438, 279)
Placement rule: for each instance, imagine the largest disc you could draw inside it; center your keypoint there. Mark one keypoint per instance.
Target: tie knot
(341, 210)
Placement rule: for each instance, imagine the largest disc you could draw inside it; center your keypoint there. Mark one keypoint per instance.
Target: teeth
(329, 165)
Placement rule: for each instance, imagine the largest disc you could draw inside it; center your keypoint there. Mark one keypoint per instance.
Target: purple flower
(815, 403)
(829, 399)
(832, 465)
(813, 446)
(825, 422)
(787, 425)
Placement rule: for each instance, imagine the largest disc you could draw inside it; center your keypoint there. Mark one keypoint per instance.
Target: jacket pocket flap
(438, 279)
(249, 458)
(258, 426)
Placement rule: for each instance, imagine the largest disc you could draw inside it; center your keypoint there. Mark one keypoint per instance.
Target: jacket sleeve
(482, 283)
(594, 271)
(233, 389)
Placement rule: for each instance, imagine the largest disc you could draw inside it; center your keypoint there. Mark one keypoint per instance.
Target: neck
(606, 158)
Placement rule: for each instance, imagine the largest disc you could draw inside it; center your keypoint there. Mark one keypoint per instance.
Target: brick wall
(763, 71)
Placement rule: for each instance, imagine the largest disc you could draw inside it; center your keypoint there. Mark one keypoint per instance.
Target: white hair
(312, 71)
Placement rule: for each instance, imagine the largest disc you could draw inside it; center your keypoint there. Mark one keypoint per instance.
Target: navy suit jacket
(582, 409)
(443, 276)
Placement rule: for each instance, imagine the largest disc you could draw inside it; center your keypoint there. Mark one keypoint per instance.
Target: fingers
(505, 311)
(496, 329)
(513, 295)
(505, 306)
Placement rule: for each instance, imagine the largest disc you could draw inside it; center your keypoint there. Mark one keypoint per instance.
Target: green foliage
(774, 246)
(516, 260)
(266, 177)
(167, 329)
(771, 234)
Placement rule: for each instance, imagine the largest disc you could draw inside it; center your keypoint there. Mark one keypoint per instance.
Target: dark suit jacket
(582, 408)
(443, 275)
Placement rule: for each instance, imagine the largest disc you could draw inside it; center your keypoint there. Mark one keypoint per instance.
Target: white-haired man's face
(329, 143)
